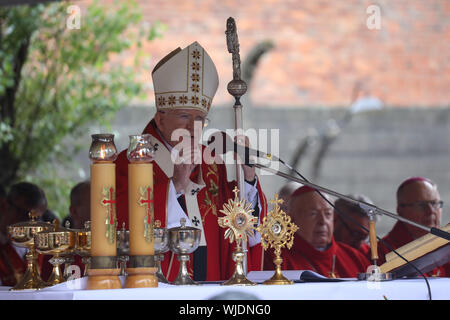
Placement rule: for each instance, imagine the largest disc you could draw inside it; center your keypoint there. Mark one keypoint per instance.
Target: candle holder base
(238, 278)
(278, 279)
(141, 278)
(99, 279)
(56, 276)
(31, 279)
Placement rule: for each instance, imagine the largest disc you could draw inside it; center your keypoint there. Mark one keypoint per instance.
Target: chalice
(183, 241)
(56, 243)
(123, 249)
(161, 246)
(83, 245)
(22, 235)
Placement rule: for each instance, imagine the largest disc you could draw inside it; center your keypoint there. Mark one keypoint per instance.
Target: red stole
(210, 201)
(12, 266)
(302, 256)
(398, 237)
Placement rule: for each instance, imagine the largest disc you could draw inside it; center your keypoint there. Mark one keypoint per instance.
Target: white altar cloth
(408, 289)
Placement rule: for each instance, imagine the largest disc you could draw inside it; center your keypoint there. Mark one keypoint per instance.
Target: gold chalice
(83, 245)
(22, 235)
(56, 243)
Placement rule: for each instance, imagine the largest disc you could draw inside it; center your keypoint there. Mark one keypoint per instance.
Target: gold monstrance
(240, 223)
(277, 231)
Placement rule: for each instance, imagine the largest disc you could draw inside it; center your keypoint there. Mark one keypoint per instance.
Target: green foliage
(54, 81)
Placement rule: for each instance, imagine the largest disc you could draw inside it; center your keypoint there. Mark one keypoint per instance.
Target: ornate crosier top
(277, 230)
(238, 219)
(233, 47)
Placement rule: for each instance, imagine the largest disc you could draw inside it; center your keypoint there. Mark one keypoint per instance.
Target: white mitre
(185, 79)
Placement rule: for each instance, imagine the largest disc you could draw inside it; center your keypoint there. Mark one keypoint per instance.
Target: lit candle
(103, 195)
(141, 213)
(103, 273)
(140, 195)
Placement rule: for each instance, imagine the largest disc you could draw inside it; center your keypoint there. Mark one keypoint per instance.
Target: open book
(427, 252)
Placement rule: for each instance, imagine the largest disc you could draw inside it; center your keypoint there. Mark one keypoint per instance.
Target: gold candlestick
(103, 272)
(141, 271)
(240, 223)
(277, 231)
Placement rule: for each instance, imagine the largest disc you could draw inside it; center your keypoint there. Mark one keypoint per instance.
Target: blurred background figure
(80, 209)
(285, 192)
(20, 200)
(345, 228)
(2, 199)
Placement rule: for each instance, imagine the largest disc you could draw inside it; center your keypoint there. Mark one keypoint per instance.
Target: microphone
(223, 143)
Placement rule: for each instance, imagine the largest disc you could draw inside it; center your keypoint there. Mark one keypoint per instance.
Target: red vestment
(210, 200)
(302, 256)
(12, 266)
(365, 250)
(398, 237)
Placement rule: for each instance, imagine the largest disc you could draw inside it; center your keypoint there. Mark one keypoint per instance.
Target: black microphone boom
(223, 143)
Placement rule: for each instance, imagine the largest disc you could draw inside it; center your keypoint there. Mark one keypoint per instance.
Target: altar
(403, 289)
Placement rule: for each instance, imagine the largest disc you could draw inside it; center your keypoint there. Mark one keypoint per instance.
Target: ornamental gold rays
(240, 224)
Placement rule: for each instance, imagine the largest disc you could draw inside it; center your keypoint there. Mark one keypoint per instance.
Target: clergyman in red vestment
(185, 184)
(418, 200)
(314, 246)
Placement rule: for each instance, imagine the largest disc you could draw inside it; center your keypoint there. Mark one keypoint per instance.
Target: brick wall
(322, 48)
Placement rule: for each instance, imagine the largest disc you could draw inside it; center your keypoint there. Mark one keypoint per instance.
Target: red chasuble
(365, 250)
(210, 198)
(302, 256)
(12, 266)
(398, 237)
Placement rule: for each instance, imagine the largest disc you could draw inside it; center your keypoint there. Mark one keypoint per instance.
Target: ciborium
(22, 235)
(240, 223)
(277, 231)
(161, 246)
(58, 243)
(183, 241)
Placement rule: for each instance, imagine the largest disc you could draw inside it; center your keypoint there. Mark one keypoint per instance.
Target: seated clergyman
(418, 200)
(314, 246)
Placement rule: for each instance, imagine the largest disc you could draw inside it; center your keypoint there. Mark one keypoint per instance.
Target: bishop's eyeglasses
(423, 205)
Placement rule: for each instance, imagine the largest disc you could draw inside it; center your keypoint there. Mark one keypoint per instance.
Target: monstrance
(277, 231)
(239, 222)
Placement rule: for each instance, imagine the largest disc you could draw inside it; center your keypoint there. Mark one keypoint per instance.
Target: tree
(54, 81)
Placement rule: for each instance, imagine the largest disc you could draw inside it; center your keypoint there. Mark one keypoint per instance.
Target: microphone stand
(364, 205)
(373, 272)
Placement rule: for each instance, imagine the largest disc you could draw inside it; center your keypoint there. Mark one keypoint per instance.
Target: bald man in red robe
(191, 183)
(418, 200)
(314, 246)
